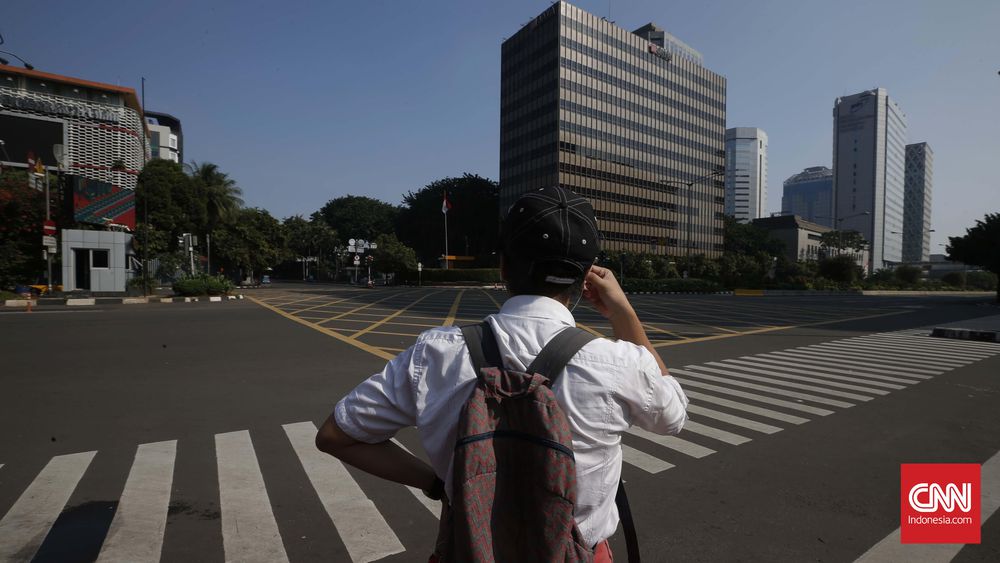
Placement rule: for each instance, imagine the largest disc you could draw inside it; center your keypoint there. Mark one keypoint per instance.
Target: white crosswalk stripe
(362, 528)
(136, 533)
(26, 524)
(746, 366)
(733, 402)
(432, 506)
(249, 531)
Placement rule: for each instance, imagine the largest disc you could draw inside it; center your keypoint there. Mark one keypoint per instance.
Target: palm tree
(223, 198)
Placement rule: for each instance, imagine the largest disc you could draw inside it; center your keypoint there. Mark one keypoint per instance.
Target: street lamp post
(690, 197)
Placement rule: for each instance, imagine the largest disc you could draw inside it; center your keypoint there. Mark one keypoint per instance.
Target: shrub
(956, 279)
(908, 274)
(838, 269)
(202, 284)
(986, 281)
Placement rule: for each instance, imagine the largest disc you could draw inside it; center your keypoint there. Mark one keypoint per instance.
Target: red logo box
(939, 503)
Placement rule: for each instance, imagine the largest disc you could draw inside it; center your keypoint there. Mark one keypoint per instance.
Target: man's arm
(606, 295)
(385, 459)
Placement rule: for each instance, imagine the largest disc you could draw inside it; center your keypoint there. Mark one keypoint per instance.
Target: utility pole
(48, 217)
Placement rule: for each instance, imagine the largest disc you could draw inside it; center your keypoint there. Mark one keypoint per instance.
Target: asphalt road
(802, 421)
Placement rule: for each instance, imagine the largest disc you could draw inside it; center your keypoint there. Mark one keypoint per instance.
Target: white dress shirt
(608, 386)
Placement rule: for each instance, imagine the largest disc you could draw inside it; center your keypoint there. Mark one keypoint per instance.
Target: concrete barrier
(190, 299)
(166, 300)
(20, 303)
(967, 334)
(81, 301)
(215, 298)
(134, 300)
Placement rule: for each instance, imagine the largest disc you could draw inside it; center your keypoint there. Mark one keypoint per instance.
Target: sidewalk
(984, 329)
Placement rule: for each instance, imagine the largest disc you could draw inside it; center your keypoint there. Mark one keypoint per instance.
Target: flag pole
(446, 233)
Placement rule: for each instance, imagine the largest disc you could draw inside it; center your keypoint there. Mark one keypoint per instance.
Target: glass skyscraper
(746, 173)
(917, 203)
(809, 194)
(869, 155)
(626, 119)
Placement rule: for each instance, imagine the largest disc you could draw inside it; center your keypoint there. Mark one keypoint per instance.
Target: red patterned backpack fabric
(514, 480)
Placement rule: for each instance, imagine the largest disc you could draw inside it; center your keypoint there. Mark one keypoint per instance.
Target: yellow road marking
(356, 309)
(375, 325)
(394, 333)
(346, 339)
(687, 322)
(450, 319)
(320, 306)
(773, 329)
(396, 350)
(662, 330)
(294, 301)
(495, 302)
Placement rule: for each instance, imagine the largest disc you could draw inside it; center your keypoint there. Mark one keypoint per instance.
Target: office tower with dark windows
(631, 120)
(746, 173)
(917, 203)
(809, 194)
(869, 155)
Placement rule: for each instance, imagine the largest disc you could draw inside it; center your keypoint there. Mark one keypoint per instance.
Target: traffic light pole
(48, 255)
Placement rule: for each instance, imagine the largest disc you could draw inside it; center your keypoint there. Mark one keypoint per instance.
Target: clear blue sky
(305, 101)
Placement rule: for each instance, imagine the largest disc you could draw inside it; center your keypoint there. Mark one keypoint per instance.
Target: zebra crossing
(733, 402)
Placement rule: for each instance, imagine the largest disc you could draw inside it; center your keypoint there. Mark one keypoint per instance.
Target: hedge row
(202, 285)
(672, 284)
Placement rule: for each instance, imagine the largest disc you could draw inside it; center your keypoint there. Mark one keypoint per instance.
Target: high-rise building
(626, 119)
(917, 203)
(166, 140)
(809, 194)
(746, 173)
(869, 155)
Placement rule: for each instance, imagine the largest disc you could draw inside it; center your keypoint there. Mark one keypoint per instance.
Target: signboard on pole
(49, 227)
(49, 242)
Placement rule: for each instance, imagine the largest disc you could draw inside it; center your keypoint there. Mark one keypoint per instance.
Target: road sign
(357, 260)
(420, 267)
(351, 242)
(49, 227)
(373, 246)
(49, 241)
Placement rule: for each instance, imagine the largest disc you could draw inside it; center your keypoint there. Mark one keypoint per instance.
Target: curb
(91, 301)
(80, 301)
(20, 302)
(967, 334)
(678, 293)
(135, 300)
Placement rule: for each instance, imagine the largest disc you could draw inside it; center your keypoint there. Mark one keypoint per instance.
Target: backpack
(514, 474)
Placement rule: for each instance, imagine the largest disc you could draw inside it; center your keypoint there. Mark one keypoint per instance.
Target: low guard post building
(626, 119)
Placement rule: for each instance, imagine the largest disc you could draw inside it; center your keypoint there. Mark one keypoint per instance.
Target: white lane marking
(891, 549)
(715, 433)
(916, 349)
(644, 461)
(746, 395)
(698, 396)
(797, 355)
(365, 533)
(890, 355)
(136, 532)
(432, 506)
(673, 442)
(832, 368)
(24, 527)
(732, 419)
(865, 361)
(753, 361)
(249, 531)
(730, 373)
(769, 371)
(949, 343)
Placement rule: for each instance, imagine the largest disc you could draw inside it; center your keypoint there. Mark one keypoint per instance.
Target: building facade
(627, 121)
(746, 173)
(917, 203)
(166, 139)
(869, 156)
(803, 238)
(809, 194)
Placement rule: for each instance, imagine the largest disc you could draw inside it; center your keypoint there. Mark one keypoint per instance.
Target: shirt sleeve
(658, 403)
(381, 405)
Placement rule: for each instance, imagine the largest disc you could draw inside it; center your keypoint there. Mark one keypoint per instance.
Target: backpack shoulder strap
(628, 524)
(559, 351)
(482, 345)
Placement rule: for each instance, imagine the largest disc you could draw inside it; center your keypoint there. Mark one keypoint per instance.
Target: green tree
(979, 246)
(392, 256)
(313, 239)
(223, 198)
(359, 217)
(841, 241)
(22, 210)
(473, 222)
(172, 202)
(841, 269)
(252, 243)
(908, 275)
(749, 256)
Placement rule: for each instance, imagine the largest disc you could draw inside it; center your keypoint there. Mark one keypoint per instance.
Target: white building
(166, 140)
(746, 173)
(869, 156)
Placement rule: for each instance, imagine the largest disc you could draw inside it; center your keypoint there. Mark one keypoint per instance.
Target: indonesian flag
(445, 205)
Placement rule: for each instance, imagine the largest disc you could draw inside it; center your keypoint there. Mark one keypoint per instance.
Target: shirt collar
(538, 306)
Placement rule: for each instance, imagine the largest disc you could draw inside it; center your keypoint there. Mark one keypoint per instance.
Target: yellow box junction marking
(450, 319)
(381, 322)
(356, 309)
